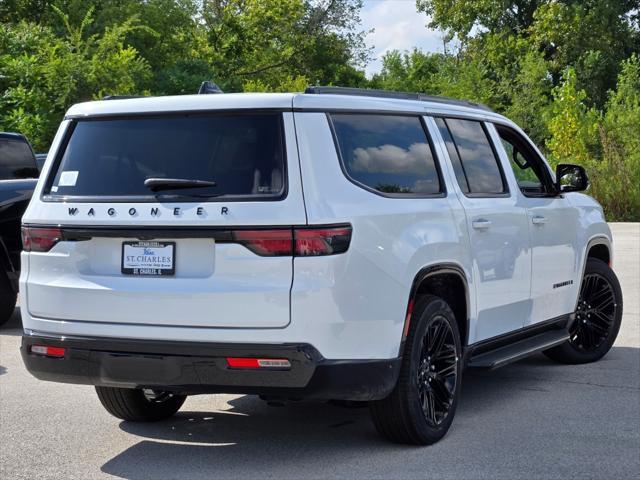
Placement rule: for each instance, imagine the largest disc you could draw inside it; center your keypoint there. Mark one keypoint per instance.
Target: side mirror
(571, 178)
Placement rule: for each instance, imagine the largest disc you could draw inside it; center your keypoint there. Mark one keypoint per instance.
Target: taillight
(322, 241)
(301, 242)
(267, 243)
(36, 239)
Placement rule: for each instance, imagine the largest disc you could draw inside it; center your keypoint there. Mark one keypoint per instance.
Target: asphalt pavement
(532, 419)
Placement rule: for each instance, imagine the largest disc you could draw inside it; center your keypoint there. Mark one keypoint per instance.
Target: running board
(517, 351)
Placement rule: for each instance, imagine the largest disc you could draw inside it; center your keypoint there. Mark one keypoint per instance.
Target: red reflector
(322, 241)
(407, 320)
(267, 243)
(57, 352)
(40, 239)
(241, 362)
(235, 362)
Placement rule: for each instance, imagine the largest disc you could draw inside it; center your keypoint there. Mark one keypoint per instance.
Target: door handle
(538, 220)
(481, 224)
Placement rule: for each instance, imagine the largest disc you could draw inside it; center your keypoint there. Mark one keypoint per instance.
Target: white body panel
(555, 257)
(502, 264)
(499, 239)
(348, 306)
(214, 285)
(558, 246)
(361, 299)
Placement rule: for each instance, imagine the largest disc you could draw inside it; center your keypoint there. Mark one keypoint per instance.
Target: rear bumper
(194, 368)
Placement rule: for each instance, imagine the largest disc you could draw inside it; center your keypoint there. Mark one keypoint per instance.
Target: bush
(42, 74)
(606, 143)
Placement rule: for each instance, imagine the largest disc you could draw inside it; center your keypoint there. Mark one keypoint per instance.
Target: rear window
(242, 153)
(16, 160)
(390, 154)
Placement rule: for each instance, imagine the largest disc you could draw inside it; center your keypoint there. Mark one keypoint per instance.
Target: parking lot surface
(532, 419)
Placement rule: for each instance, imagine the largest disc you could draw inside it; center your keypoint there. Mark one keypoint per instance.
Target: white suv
(338, 244)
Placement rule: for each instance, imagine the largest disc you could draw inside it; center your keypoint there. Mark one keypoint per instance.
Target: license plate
(148, 258)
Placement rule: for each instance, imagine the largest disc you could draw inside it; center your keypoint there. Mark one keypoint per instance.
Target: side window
(470, 147)
(532, 176)
(387, 153)
(16, 160)
(453, 155)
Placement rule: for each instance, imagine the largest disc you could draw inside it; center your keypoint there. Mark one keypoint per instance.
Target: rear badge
(199, 212)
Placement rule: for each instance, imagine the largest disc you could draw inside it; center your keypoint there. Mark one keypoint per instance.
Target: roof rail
(370, 92)
(120, 97)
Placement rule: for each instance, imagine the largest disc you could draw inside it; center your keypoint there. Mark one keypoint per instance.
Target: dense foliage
(54, 53)
(568, 71)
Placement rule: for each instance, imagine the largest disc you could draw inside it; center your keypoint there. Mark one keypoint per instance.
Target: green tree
(461, 16)
(167, 39)
(607, 144)
(437, 74)
(620, 137)
(99, 47)
(41, 74)
(271, 40)
(572, 125)
(593, 37)
(528, 95)
(234, 42)
(413, 71)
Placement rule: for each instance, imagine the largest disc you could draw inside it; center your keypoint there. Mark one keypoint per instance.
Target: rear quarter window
(106, 158)
(388, 154)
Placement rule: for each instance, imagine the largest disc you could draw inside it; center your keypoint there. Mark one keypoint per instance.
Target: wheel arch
(445, 280)
(597, 247)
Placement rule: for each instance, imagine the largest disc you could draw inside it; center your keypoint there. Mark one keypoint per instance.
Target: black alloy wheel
(156, 396)
(437, 374)
(421, 407)
(598, 317)
(595, 315)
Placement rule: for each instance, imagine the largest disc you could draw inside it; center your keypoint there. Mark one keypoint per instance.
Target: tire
(134, 405)
(410, 413)
(8, 299)
(598, 317)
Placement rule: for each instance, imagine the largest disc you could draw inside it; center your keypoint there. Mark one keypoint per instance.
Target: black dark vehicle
(40, 159)
(18, 177)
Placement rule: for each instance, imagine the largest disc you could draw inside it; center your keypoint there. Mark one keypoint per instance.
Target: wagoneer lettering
(333, 245)
(154, 211)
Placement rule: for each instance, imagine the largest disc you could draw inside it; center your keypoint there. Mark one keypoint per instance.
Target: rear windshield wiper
(161, 197)
(157, 184)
